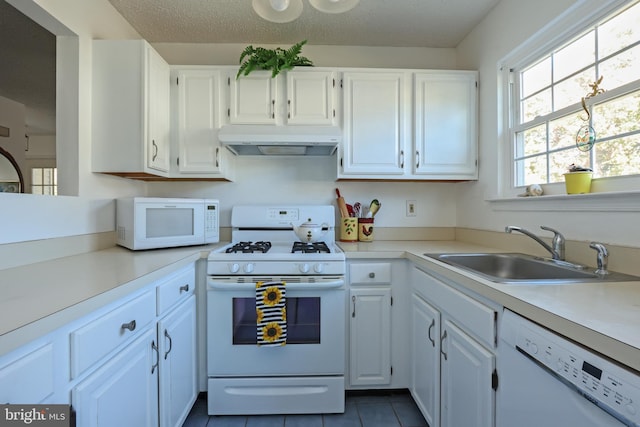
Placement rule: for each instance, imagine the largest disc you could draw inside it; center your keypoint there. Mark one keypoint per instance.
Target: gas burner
(310, 248)
(249, 247)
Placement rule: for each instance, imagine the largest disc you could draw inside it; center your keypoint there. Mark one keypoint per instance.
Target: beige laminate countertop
(602, 316)
(38, 298)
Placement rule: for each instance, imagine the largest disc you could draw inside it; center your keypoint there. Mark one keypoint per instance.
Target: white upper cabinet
(130, 109)
(199, 111)
(409, 125)
(253, 98)
(445, 125)
(297, 97)
(375, 125)
(310, 97)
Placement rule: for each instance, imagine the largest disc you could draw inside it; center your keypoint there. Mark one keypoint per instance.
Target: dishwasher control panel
(611, 387)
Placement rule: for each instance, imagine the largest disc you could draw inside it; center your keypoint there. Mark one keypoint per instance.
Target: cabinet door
(253, 99)
(374, 124)
(178, 386)
(199, 107)
(370, 349)
(310, 97)
(425, 359)
(468, 398)
(158, 123)
(124, 391)
(445, 124)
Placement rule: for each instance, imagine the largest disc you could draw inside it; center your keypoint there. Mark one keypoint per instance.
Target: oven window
(303, 321)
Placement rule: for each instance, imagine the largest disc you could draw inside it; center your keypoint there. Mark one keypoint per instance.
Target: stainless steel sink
(514, 268)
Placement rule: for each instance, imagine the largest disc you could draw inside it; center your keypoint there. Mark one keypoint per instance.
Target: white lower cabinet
(370, 325)
(425, 358)
(452, 355)
(124, 391)
(370, 331)
(467, 396)
(134, 362)
(36, 372)
(177, 368)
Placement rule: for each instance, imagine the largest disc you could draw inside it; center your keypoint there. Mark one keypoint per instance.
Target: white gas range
(297, 365)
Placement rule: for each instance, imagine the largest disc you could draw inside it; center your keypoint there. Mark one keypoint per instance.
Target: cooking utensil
(357, 208)
(373, 208)
(342, 205)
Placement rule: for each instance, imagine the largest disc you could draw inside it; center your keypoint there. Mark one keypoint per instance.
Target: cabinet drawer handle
(154, 347)
(372, 275)
(433, 323)
(442, 338)
(166, 334)
(184, 288)
(130, 326)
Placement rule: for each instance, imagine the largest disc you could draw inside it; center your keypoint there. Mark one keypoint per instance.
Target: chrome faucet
(556, 249)
(603, 257)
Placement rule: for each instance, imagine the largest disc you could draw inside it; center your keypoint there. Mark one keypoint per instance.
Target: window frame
(562, 30)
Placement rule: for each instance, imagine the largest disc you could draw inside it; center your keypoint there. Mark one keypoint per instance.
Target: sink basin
(514, 268)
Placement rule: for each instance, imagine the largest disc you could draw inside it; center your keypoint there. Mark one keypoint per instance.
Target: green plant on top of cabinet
(298, 97)
(130, 109)
(199, 117)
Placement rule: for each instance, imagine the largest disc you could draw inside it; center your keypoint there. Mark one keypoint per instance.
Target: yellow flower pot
(578, 182)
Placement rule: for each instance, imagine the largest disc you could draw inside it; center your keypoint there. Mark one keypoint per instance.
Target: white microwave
(151, 222)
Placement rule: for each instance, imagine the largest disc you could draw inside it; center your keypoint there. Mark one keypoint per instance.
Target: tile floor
(377, 409)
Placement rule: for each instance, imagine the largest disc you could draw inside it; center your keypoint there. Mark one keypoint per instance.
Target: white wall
(507, 26)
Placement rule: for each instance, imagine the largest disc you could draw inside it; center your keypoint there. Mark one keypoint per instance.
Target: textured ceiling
(409, 23)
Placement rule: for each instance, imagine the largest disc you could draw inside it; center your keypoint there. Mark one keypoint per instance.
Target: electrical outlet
(411, 208)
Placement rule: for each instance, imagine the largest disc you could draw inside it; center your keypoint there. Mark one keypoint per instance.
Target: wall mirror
(11, 180)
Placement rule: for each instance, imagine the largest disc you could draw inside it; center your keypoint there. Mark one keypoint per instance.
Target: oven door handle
(297, 286)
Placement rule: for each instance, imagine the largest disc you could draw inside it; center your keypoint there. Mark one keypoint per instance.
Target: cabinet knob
(372, 275)
(130, 326)
(184, 288)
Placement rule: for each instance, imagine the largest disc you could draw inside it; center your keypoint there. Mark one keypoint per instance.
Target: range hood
(268, 140)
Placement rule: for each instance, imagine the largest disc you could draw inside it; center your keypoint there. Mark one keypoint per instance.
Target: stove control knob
(248, 268)
(234, 268)
(304, 268)
(318, 268)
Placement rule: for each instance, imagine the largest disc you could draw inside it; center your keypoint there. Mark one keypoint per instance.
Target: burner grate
(310, 248)
(249, 247)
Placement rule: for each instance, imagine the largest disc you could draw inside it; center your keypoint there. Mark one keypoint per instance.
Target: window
(44, 181)
(547, 113)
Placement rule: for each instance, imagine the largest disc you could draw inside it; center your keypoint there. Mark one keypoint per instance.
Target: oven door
(315, 329)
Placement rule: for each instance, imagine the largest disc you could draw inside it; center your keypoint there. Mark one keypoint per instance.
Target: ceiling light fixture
(283, 11)
(278, 11)
(334, 6)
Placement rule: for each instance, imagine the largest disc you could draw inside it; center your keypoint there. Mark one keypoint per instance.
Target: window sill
(615, 201)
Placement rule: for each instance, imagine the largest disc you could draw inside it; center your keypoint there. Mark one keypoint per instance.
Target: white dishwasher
(547, 380)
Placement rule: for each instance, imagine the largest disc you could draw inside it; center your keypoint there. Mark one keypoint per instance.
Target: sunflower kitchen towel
(271, 314)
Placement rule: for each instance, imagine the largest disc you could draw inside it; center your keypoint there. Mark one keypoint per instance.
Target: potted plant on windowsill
(578, 180)
(276, 60)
